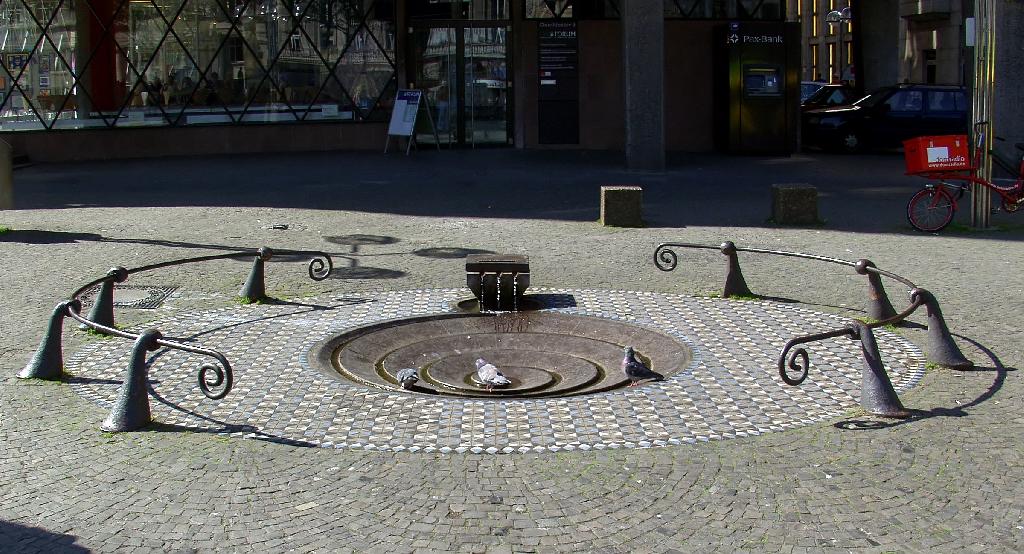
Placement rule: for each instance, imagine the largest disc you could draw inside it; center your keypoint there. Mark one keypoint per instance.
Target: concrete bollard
(622, 206)
(795, 204)
(6, 176)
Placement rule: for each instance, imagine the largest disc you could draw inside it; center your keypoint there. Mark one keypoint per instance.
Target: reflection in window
(905, 101)
(182, 62)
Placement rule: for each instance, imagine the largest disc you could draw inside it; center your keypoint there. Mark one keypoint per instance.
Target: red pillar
(107, 69)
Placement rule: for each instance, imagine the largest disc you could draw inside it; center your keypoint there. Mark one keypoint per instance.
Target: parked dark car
(808, 88)
(887, 117)
(830, 95)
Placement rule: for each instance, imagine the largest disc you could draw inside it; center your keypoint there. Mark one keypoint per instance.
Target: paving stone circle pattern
(730, 388)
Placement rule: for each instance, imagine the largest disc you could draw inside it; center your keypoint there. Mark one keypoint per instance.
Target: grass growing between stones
(94, 334)
(246, 301)
(4, 229)
(891, 327)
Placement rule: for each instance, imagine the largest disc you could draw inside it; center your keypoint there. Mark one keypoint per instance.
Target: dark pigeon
(635, 370)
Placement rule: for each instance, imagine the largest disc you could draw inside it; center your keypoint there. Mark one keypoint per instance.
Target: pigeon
(489, 375)
(407, 377)
(634, 369)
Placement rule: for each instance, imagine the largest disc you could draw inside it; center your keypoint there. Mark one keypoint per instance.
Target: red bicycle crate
(939, 153)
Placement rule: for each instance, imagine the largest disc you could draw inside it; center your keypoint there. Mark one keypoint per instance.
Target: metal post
(102, 311)
(735, 284)
(941, 348)
(6, 176)
(879, 307)
(876, 394)
(131, 409)
(981, 109)
(48, 361)
(254, 289)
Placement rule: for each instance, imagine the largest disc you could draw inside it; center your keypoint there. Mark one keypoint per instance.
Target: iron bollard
(876, 393)
(131, 410)
(735, 284)
(48, 361)
(879, 307)
(255, 289)
(102, 311)
(941, 348)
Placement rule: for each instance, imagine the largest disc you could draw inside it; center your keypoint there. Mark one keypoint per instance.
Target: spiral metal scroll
(665, 258)
(220, 385)
(802, 366)
(320, 267)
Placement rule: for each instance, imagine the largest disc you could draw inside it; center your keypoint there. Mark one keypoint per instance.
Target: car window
(906, 101)
(873, 99)
(837, 97)
(946, 101)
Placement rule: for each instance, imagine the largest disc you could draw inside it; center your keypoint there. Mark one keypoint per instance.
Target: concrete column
(643, 81)
(1009, 67)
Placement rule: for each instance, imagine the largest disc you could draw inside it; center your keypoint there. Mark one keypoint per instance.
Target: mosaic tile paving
(730, 389)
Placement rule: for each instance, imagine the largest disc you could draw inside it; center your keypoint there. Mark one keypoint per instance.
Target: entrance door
(463, 67)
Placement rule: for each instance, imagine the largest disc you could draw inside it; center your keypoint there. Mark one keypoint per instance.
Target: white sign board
(403, 115)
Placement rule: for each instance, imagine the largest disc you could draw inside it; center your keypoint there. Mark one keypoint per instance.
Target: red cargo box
(941, 153)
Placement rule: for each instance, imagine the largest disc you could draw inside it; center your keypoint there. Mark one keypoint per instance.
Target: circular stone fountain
(287, 388)
(542, 353)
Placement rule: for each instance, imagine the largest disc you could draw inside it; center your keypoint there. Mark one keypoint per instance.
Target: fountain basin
(544, 354)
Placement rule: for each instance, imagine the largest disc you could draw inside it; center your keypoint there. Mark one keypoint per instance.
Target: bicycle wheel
(930, 210)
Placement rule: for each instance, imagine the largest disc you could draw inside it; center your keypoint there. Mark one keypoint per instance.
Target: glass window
(945, 101)
(716, 9)
(905, 101)
(459, 9)
(184, 62)
(815, 20)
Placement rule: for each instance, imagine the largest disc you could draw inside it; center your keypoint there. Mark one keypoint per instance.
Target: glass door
(463, 69)
(486, 90)
(436, 73)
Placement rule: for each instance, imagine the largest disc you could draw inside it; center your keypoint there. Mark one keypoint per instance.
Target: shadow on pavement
(24, 539)
(354, 269)
(957, 411)
(866, 193)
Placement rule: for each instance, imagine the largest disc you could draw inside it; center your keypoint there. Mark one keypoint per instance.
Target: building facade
(89, 79)
(879, 43)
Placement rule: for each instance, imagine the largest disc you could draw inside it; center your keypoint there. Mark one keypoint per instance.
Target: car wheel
(851, 142)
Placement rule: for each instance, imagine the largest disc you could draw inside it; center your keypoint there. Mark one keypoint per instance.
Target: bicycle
(944, 159)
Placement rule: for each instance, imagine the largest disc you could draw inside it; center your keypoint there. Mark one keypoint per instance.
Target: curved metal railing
(942, 349)
(215, 378)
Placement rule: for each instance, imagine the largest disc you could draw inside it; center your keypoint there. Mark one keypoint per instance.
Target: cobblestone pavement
(947, 479)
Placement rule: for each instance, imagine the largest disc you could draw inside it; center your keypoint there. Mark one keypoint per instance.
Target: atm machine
(757, 87)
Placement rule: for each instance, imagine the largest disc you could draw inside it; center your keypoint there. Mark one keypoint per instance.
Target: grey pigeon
(634, 369)
(407, 377)
(489, 375)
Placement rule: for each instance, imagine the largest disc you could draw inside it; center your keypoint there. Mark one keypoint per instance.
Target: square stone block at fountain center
(498, 280)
